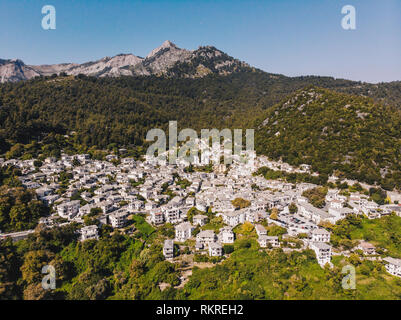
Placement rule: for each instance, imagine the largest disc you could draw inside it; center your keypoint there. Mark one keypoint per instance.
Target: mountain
(107, 66)
(162, 58)
(334, 132)
(168, 60)
(15, 70)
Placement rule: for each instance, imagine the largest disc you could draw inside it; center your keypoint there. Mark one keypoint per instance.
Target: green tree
(293, 208)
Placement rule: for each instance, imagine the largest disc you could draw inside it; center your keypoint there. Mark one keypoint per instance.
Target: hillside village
(205, 206)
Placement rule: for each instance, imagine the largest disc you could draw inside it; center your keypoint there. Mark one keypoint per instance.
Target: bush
(244, 244)
(228, 249)
(316, 196)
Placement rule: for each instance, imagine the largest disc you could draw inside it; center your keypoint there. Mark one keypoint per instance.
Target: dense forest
(348, 135)
(19, 208)
(121, 110)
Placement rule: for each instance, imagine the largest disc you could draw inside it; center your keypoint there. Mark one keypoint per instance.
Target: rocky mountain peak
(166, 45)
(166, 60)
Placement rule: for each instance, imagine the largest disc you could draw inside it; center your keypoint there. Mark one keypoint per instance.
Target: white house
(340, 213)
(118, 219)
(69, 209)
(183, 231)
(206, 237)
(157, 217)
(43, 192)
(322, 251)
(234, 218)
(201, 205)
(226, 235)
(190, 202)
(150, 205)
(393, 266)
(49, 200)
(320, 235)
(135, 205)
(264, 240)
(260, 230)
(168, 249)
(106, 206)
(335, 204)
(252, 216)
(215, 249)
(315, 214)
(366, 247)
(171, 214)
(88, 233)
(200, 220)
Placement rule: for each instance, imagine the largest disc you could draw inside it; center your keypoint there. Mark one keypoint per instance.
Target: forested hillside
(120, 110)
(360, 141)
(122, 267)
(349, 135)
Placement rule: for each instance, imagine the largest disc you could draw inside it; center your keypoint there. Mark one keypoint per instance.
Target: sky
(290, 37)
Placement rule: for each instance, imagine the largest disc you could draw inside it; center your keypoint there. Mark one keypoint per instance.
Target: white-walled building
(68, 210)
(393, 266)
(136, 205)
(234, 218)
(335, 203)
(226, 235)
(183, 231)
(260, 230)
(264, 240)
(206, 237)
(118, 219)
(340, 213)
(315, 214)
(168, 249)
(200, 220)
(322, 251)
(89, 233)
(320, 235)
(157, 217)
(366, 247)
(171, 214)
(215, 249)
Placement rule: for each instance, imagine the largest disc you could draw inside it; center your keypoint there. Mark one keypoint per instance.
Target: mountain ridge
(158, 62)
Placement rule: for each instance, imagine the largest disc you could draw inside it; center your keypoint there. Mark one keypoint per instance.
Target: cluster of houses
(205, 239)
(118, 190)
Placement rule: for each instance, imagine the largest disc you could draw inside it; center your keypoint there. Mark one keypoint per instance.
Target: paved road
(17, 235)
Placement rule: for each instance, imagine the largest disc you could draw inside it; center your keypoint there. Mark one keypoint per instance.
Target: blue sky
(290, 37)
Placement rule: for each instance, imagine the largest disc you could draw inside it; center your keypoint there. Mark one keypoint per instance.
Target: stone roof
(215, 245)
(320, 231)
(168, 244)
(183, 226)
(321, 245)
(394, 261)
